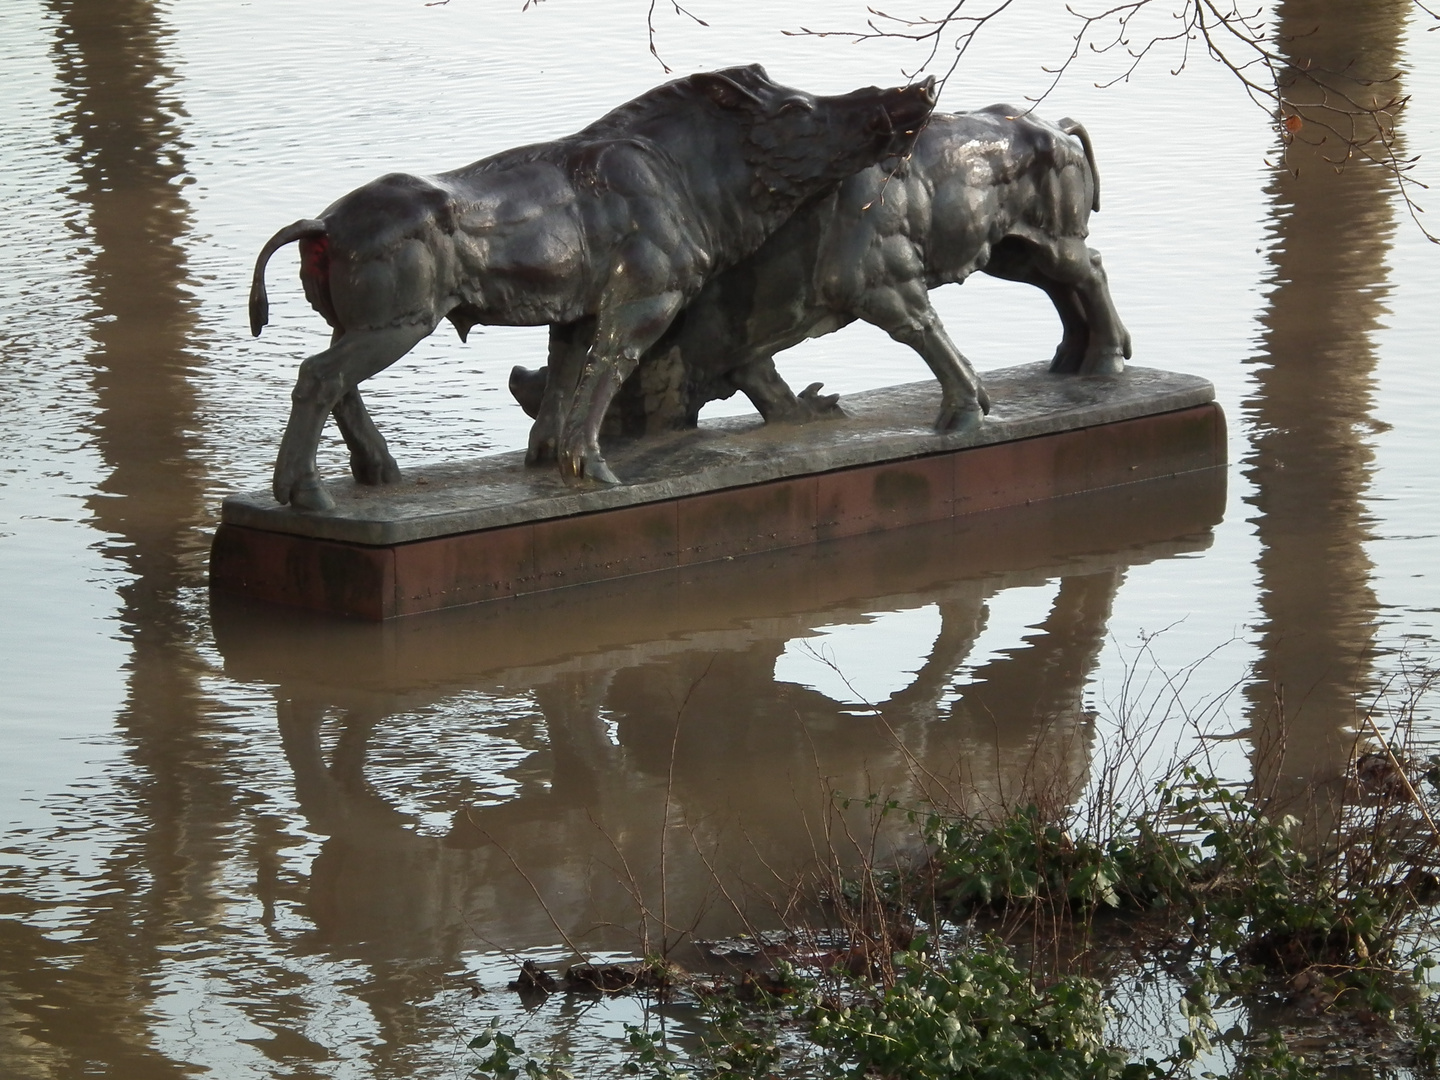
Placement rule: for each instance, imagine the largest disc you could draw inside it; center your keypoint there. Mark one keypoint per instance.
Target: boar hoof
(818, 406)
(374, 471)
(954, 420)
(310, 494)
(1107, 361)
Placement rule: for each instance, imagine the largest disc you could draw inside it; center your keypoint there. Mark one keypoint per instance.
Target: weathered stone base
(381, 668)
(463, 534)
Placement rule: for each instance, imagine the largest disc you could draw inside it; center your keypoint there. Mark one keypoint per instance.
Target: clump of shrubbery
(995, 954)
(1209, 864)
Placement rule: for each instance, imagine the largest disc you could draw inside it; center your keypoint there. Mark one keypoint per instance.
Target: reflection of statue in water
(754, 761)
(995, 190)
(1018, 723)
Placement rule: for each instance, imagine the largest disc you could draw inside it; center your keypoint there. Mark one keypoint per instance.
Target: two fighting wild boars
(604, 235)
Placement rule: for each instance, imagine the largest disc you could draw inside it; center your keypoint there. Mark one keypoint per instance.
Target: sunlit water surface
(262, 844)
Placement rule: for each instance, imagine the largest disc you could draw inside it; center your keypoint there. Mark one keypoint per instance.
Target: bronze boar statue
(993, 190)
(604, 235)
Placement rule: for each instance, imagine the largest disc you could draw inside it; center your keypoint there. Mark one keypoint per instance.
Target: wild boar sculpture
(604, 235)
(994, 190)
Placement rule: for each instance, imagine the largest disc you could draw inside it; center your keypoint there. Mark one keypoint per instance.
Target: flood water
(263, 844)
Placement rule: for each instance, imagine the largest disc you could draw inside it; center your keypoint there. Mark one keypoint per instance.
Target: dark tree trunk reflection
(1310, 458)
(87, 1005)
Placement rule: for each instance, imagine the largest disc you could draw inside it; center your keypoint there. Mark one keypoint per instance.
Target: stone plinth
(465, 532)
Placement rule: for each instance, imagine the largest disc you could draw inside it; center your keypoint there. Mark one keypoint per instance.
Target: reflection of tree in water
(87, 1001)
(1310, 461)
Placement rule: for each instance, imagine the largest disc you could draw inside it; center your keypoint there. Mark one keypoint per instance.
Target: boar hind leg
(325, 379)
(1014, 259)
(1075, 342)
(1070, 263)
(1113, 347)
(370, 460)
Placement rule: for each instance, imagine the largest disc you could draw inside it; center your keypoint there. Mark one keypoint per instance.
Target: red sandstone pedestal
(468, 532)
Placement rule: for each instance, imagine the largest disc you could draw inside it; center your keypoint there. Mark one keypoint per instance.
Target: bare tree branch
(650, 26)
(1344, 114)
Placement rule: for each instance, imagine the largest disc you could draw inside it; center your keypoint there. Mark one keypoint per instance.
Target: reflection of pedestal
(461, 533)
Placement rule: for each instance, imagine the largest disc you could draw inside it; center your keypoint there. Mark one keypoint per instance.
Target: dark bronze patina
(991, 190)
(605, 235)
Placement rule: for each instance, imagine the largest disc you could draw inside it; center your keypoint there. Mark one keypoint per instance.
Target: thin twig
(1404, 778)
(539, 897)
(665, 823)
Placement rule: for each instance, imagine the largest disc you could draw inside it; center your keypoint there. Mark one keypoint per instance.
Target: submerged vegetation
(1197, 930)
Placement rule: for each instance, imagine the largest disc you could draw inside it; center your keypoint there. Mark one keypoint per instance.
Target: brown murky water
(262, 844)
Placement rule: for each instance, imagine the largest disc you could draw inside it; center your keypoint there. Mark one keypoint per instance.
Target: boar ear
(723, 90)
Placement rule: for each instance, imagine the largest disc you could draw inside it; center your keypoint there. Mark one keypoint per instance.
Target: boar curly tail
(305, 229)
(1074, 127)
